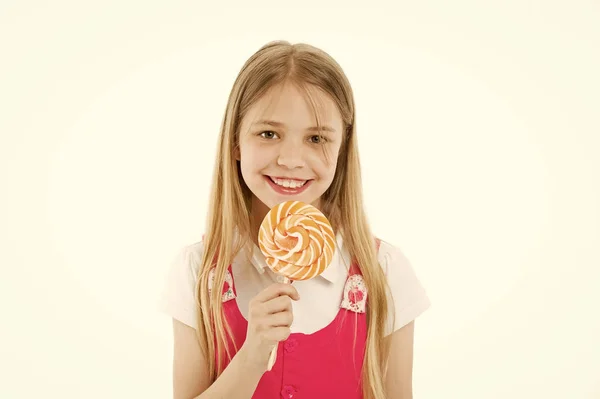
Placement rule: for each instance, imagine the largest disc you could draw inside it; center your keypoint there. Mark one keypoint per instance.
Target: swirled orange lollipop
(298, 243)
(297, 240)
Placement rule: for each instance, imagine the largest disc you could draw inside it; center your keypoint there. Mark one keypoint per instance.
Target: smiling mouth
(287, 186)
(288, 183)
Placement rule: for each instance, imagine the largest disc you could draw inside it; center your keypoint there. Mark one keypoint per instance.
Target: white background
(479, 137)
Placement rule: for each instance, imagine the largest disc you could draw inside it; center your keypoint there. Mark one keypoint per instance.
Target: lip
(288, 178)
(286, 190)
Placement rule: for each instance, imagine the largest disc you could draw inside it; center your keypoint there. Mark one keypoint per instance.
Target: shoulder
(178, 298)
(186, 264)
(391, 257)
(395, 264)
(189, 257)
(408, 294)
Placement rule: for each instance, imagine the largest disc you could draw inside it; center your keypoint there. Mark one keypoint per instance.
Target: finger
(275, 290)
(283, 319)
(279, 304)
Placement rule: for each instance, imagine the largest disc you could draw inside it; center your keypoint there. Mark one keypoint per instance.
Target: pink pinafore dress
(324, 364)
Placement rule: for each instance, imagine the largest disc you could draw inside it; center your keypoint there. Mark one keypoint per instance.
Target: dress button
(288, 392)
(290, 345)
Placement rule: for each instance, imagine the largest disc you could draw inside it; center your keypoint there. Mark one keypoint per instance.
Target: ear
(236, 153)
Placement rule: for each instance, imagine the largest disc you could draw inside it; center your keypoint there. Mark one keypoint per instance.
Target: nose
(291, 155)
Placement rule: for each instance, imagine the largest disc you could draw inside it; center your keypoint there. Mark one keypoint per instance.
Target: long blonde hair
(229, 213)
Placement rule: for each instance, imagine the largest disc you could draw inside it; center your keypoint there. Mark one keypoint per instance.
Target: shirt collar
(332, 273)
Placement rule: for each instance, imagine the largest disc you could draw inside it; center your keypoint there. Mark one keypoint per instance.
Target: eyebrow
(310, 129)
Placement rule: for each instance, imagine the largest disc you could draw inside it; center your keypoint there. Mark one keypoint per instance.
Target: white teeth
(289, 183)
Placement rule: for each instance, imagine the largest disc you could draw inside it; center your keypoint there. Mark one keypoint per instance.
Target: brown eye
(268, 134)
(317, 139)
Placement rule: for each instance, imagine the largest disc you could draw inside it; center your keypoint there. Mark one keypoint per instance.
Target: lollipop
(298, 243)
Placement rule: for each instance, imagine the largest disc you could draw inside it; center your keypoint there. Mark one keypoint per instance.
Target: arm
(270, 317)
(398, 378)
(190, 372)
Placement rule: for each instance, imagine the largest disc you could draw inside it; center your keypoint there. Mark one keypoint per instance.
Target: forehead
(295, 107)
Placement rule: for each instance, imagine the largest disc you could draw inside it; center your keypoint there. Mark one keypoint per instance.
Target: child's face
(285, 159)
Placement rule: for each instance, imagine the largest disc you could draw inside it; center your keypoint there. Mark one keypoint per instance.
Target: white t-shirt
(320, 297)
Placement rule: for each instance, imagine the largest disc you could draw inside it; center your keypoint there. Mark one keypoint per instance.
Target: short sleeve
(409, 297)
(178, 298)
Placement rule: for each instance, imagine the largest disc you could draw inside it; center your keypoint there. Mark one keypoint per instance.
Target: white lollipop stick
(273, 355)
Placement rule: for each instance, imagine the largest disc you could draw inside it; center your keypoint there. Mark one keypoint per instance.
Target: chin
(271, 201)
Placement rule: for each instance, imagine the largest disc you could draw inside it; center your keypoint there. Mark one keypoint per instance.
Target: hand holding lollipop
(298, 243)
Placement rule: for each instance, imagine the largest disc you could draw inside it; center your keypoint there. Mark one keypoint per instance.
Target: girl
(289, 134)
